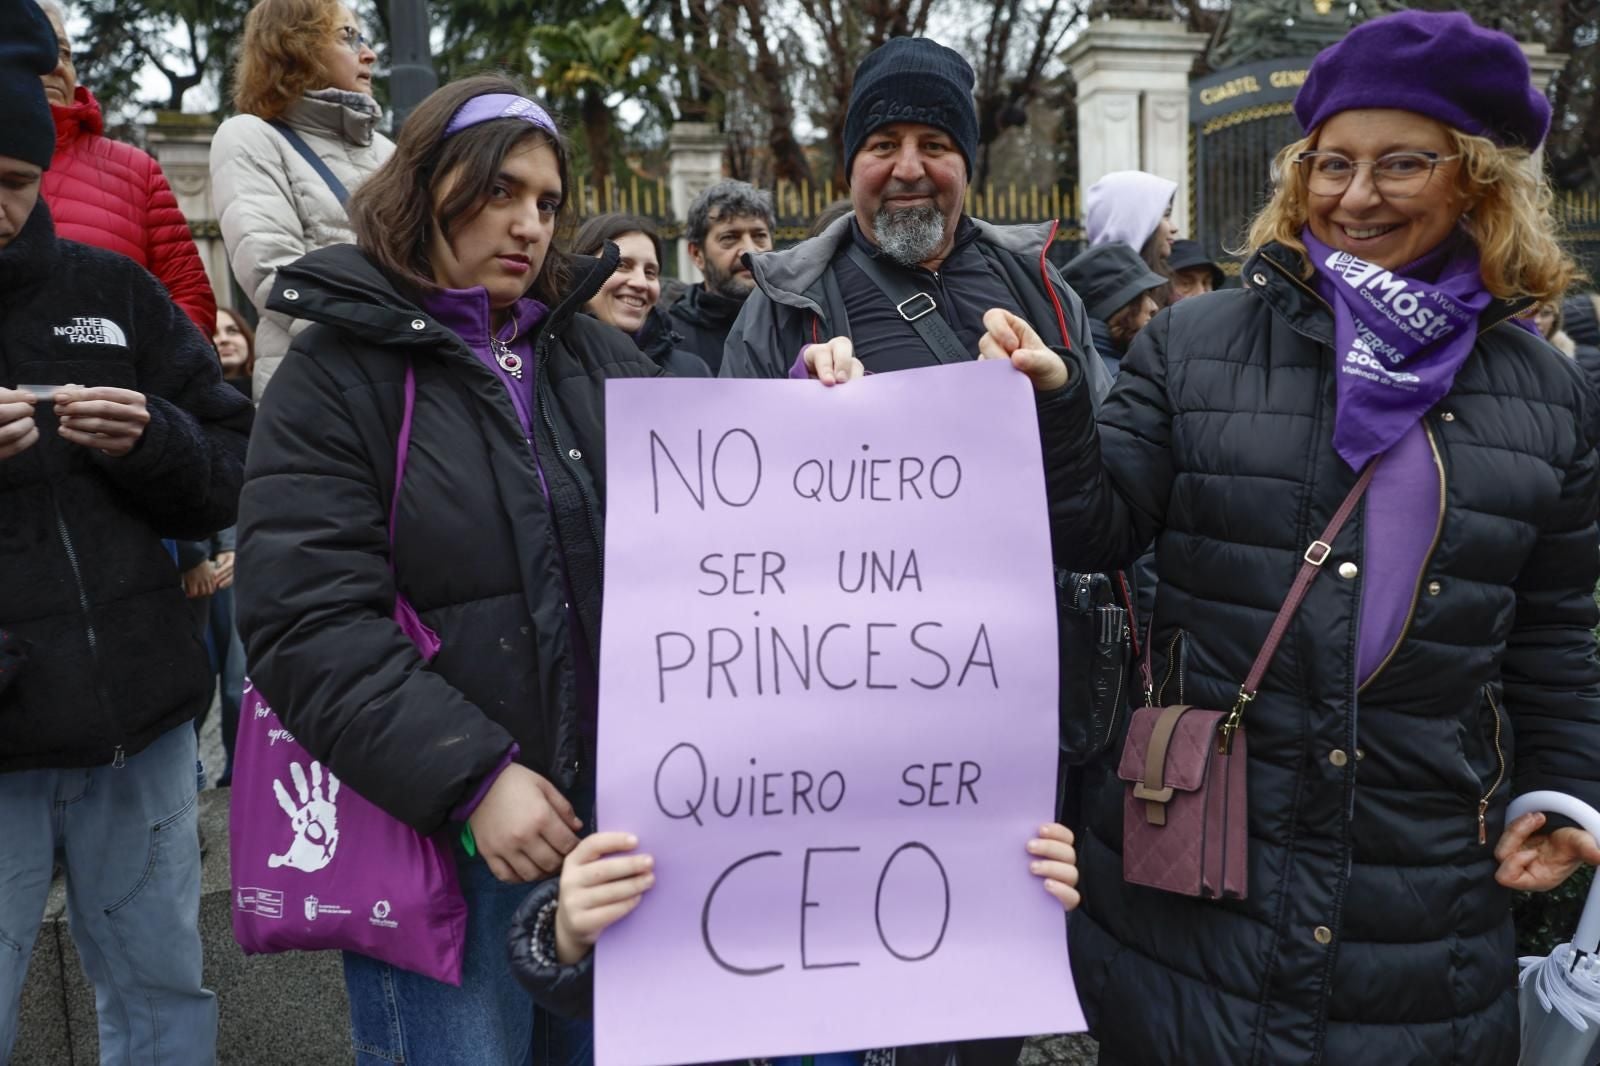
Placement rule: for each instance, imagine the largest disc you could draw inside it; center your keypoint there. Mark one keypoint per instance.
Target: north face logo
(93, 331)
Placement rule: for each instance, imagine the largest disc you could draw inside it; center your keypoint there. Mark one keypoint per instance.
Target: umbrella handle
(1587, 938)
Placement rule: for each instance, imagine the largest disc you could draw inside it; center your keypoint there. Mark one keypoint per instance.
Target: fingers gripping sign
(1012, 338)
(599, 887)
(314, 818)
(833, 362)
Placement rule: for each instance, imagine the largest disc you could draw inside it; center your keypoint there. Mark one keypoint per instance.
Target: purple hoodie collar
(465, 312)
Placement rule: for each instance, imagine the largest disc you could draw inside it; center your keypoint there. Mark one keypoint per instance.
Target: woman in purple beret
(1443, 660)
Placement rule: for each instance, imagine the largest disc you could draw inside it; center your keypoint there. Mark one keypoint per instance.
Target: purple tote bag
(315, 867)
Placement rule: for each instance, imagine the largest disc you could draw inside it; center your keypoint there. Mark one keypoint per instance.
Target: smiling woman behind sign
(494, 537)
(1444, 659)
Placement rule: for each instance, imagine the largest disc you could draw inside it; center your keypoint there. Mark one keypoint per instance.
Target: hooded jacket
(1374, 930)
(112, 658)
(669, 349)
(273, 207)
(113, 196)
(1126, 206)
(704, 318)
(492, 531)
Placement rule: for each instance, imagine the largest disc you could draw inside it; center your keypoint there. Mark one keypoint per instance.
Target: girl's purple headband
(490, 106)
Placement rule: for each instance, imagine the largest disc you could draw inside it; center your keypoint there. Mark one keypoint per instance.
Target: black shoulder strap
(296, 142)
(916, 307)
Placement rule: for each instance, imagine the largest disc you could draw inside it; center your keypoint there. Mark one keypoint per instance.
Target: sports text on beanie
(912, 79)
(1439, 64)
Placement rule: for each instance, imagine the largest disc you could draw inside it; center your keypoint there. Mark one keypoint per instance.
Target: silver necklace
(509, 360)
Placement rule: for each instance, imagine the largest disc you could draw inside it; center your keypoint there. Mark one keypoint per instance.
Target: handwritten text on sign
(827, 707)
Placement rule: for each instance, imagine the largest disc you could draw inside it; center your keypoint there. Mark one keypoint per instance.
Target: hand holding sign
(1012, 338)
(833, 362)
(597, 891)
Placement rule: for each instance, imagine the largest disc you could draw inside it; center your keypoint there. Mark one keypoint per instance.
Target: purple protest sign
(828, 709)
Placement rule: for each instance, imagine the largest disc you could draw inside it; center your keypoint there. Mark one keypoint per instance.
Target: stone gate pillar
(181, 143)
(1133, 101)
(694, 161)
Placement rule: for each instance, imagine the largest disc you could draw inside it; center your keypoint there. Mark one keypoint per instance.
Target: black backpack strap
(916, 307)
(298, 143)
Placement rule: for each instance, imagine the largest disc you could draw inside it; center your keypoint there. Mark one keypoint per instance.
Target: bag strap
(915, 306)
(402, 446)
(298, 143)
(1312, 562)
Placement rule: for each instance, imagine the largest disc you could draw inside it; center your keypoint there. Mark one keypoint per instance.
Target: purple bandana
(1399, 336)
(490, 106)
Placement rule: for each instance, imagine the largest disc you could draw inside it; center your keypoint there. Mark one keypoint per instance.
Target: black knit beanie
(27, 51)
(912, 79)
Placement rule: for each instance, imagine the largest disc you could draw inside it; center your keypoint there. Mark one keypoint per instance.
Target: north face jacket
(111, 657)
(113, 196)
(1374, 931)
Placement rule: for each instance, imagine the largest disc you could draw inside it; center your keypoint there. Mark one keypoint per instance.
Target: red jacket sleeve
(174, 259)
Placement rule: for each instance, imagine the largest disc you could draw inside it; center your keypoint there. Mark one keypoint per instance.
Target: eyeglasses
(1397, 175)
(353, 39)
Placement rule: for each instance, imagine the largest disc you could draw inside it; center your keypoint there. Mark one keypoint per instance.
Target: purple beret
(1439, 64)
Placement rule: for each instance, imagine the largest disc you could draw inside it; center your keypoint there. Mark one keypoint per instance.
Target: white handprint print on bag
(315, 820)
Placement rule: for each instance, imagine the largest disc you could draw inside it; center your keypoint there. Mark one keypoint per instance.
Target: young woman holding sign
(454, 284)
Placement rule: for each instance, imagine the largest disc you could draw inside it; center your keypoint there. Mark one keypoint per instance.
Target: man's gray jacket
(797, 300)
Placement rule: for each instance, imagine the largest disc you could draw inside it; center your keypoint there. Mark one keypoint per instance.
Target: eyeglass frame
(1433, 158)
(355, 43)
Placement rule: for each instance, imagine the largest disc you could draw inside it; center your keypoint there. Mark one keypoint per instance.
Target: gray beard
(911, 235)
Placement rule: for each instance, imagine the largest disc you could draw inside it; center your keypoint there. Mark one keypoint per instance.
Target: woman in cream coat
(306, 65)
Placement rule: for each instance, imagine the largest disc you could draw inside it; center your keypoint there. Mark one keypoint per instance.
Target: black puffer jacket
(110, 656)
(478, 551)
(703, 319)
(1374, 931)
(667, 347)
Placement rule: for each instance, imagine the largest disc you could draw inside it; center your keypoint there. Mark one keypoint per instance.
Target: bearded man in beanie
(116, 430)
(906, 258)
(907, 280)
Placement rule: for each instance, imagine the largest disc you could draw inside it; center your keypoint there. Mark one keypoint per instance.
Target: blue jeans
(127, 839)
(227, 662)
(397, 1016)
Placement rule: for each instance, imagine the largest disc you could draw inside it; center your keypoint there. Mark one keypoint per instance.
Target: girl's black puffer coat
(1374, 931)
(478, 550)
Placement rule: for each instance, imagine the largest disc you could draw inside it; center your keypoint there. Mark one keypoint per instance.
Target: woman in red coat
(114, 196)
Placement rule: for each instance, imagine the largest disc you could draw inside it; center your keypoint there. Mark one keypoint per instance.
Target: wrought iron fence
(798, 205)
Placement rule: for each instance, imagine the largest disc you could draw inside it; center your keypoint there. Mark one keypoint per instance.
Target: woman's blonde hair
(1509, 216)
(278, 58)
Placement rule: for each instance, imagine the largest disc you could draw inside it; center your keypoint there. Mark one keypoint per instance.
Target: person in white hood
(1133, 208)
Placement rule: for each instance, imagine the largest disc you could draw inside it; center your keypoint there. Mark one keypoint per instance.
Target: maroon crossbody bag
(1185, 819)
